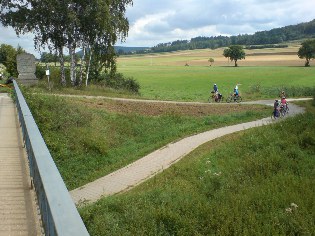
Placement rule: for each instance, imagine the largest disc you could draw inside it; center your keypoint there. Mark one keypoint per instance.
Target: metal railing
(58, 211)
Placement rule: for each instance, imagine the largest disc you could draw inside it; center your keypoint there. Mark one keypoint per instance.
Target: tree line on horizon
(271, 37)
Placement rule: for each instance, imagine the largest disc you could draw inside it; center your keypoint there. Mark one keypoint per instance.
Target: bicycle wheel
(229, 99)
(239, 99)
(283, 112)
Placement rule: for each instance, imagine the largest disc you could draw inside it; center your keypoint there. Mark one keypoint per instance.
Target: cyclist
(215, 92)
(276, 109)
(284, 103)
(236, 93)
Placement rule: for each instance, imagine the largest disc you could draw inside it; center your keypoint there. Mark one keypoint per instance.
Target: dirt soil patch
(158, 108)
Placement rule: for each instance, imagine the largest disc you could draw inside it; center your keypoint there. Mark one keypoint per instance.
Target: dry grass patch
(157, 108)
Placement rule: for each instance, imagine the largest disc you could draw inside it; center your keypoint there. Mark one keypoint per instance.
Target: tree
(211, 60)
(234, 52)
(8, 58)
(95, 25)
(307, 51)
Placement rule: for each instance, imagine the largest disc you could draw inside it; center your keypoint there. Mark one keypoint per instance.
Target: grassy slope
(87, 143)
(237, 185)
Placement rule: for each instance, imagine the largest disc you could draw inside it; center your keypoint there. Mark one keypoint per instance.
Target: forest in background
(273, 38)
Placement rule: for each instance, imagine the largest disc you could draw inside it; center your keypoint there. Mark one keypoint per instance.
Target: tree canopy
(235, 53)
(307, 51)
(8, 58)
(94, 26)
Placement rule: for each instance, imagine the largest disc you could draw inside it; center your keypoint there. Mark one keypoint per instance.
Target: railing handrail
(59, 214)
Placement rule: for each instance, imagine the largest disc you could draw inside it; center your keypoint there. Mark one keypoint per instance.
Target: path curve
(137, 172)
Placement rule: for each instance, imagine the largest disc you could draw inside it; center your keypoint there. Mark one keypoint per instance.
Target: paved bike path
(159, 160)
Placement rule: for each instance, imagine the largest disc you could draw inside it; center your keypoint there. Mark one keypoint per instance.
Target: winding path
(155, 162)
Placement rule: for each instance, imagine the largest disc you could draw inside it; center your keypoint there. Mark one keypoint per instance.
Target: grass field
(257, 182)
(261, 75)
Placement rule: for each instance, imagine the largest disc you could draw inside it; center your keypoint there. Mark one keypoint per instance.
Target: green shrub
(118, 81)
(40, 72)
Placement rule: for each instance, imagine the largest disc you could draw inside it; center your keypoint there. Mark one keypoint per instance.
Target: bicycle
(234, 98)
(284, 109)
(215, 98)
(276, 115)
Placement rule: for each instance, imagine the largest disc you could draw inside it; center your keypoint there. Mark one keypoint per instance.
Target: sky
(160, 21)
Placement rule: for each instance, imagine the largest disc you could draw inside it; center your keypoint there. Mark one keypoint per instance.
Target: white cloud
(153, 22)
(8, 36)
(192, 18)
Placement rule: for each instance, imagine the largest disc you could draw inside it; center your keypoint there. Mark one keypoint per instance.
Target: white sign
(47, 72)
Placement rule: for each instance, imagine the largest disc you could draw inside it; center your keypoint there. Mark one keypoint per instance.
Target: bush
(54, 77)
(118, 81)
(40, 72)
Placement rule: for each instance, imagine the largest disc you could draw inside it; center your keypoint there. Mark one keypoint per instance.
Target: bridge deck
(18, 215)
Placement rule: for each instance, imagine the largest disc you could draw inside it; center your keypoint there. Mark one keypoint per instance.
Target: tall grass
(257, 182)
(256, 90)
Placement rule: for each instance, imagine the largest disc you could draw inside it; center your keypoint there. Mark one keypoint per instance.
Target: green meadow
(193, 83)
(262, 74)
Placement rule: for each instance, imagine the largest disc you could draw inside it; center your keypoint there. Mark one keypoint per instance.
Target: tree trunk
(88, 68)
(307, 62)
(72, 64)
(62, 67)
(235, 63)
(81, 67)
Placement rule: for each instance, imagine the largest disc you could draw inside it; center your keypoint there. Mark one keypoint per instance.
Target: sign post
(48, 74)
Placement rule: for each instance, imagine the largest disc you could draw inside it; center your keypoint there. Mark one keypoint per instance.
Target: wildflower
(294, 206)
(218, 174)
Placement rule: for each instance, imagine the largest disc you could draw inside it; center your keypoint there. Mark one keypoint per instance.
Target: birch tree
(94, 24)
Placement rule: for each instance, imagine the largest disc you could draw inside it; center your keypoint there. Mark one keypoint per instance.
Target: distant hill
(274, 36)
(126, 50)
